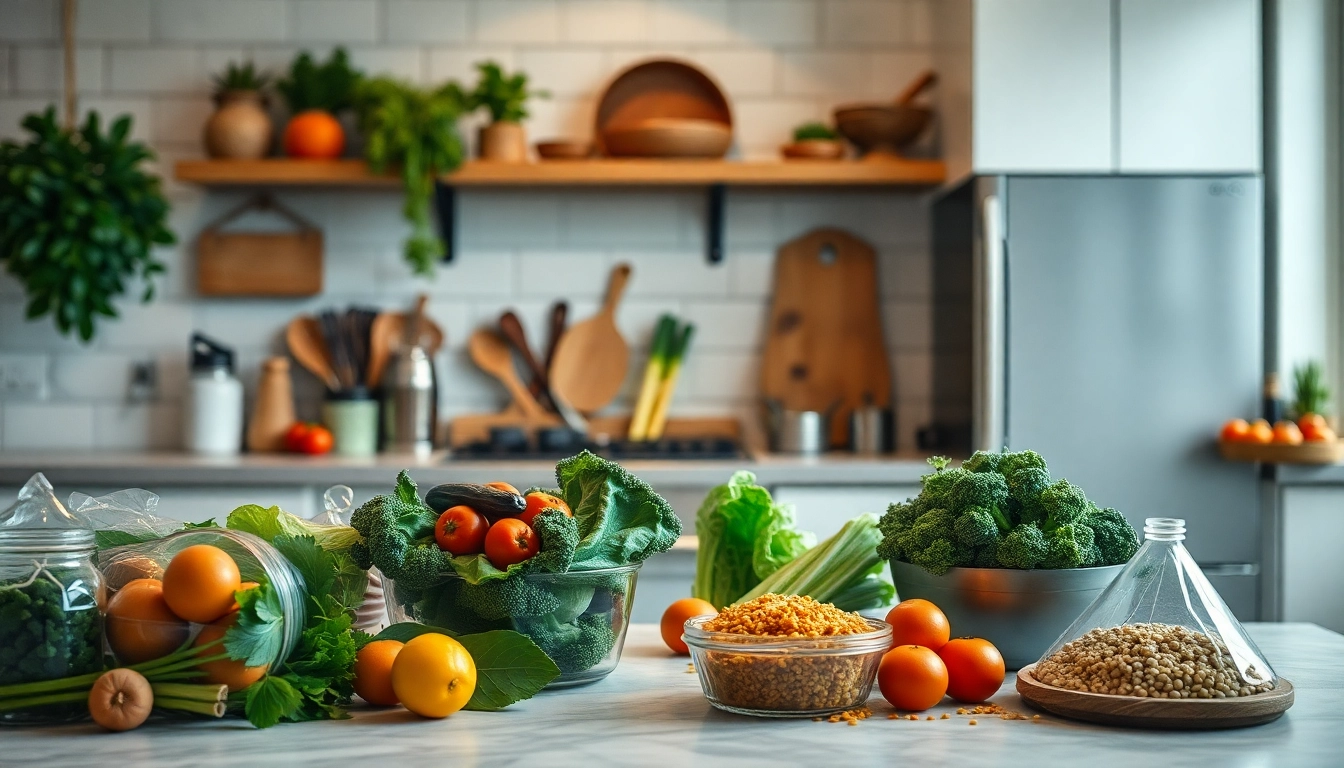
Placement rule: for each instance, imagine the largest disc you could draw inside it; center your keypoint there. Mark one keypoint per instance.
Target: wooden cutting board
(824, 343)
(592, 357)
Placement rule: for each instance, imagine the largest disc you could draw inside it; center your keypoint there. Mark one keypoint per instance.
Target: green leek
(658, 420)
(663, 338)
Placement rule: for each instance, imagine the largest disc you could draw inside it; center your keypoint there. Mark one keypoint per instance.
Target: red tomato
(318, 441)
(1235, 431)
(461, 530)
(501, 486)
(296, 435)
(510, 541)
(537, 501)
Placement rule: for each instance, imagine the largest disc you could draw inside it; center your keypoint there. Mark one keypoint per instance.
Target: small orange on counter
(918, 622)
(373, 672)
(975, 669)
(912, 677)
(433, 675)
(674, 620)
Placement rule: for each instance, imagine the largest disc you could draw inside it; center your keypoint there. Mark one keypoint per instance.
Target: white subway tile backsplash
(702, 22)
(336, 21)
(427, 21)
(718, 377)
(47, 426)
(157, 70)
(728, 325)
(740, 72)
(114, 21)
(179, 120)
(751, 273)
(576, 71)
(674, 273)
(570, 274)
(832, 75)
(29, 20)
(459, 63)
(508, 218)
(774, 22)
(42, 69)
(216, 21)
(849, 22)
(403, 63)
(604, 21)
(96, 376)
(138, 426)
(907, 325)
(628, 218)
(890, 71)
(517, 21)
(765, 124)
(110, 109)
(163, 325)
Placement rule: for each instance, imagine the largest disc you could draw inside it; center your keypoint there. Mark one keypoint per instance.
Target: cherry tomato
(296, 435)
(502, 486)
(1235, 431)
(510, 541)
(537, 501)
(1287, 433)
(1260, 432)
(461, 530)
(318, 441)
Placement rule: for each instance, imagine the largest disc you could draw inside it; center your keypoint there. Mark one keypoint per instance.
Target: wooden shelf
(599, 172)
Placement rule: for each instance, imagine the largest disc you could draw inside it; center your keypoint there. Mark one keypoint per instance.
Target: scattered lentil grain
(973, 722)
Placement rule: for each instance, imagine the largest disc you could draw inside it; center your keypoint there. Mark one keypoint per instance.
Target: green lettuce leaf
(621, 520)
(744, 536)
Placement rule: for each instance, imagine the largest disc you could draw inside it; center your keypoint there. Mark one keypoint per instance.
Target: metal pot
(872, 430)
(1021, 612)
(806, 433)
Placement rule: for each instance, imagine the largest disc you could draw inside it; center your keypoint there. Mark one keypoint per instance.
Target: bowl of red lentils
(786, 656)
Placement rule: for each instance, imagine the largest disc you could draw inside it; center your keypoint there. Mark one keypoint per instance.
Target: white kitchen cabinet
(1041, 95)
(1189, 86)
(1312, 530)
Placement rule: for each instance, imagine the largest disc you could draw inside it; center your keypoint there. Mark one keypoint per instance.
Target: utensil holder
(353, 421)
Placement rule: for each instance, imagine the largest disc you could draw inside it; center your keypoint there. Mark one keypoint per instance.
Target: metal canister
(410, 402)
(871, 431)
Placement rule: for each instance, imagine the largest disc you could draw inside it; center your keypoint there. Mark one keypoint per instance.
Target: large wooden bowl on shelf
(669, 137)
(1160, 714)
(881, 130)
(660, 89)
(1318, 452)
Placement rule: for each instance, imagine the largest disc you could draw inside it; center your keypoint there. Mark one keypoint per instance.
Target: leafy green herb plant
(814, 132)
(414, 131)
(241, 77)
(329, 86)
(79, 218)
(1310, 392)
(505, 96)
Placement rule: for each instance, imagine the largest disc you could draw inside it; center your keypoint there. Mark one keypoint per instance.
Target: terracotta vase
(503, 142)
(273, 413)
(239, 129)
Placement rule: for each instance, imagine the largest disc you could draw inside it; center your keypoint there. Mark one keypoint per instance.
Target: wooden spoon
(512, 328)
(925, 79)
(559, 316)
(592, 358)
(308, 346)
(490, 352)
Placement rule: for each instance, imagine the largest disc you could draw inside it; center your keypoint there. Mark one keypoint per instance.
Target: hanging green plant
(415, 131)
(79, 218)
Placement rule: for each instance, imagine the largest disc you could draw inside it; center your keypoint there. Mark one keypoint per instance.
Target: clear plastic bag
(123, 517)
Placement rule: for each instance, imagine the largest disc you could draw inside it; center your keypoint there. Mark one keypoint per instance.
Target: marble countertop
(650, 712)
(155, 470)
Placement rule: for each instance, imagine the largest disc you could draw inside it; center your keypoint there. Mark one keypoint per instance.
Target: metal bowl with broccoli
(572, 597)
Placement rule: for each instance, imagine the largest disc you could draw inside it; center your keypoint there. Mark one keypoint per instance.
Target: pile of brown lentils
(1160, 661)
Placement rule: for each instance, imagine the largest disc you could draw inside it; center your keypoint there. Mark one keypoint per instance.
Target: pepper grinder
(273, 414)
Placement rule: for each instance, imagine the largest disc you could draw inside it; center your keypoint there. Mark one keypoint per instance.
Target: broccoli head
(500, 599)
(1026, 484)
(559, 536)
(1115, 538)
(898, 518)
(1063, 503)
(1011, 462)
(978, 489)
(1024, 547)
(574, 646)
(986, 556)
(982, 461)
(976, 527)
(930, 543)
(1069, 546)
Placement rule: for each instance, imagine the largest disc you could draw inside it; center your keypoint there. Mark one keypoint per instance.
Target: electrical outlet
(23, 377)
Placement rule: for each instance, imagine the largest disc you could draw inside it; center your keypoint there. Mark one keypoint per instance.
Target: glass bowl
(786, 676)
(578, 618)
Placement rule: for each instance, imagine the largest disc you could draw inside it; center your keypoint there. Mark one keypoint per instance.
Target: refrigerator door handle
(990, 418)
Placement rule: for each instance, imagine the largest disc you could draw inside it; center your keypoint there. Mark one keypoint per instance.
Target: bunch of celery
(660, 378)
(843, 570)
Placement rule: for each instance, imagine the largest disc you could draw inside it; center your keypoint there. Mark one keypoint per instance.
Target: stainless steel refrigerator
(1111, 323)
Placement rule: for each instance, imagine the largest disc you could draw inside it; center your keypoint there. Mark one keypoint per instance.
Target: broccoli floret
(1115, 538)
(515, 597)
(1014, 461)
(559, 536)
(978, 489)
(574, 646)
(898, 518)
(982, 461)
(1024, 547)
(390, 526)
(1069, 546)
(1026, 484)
(1063, 503)
(930, 542)
(938, 486)
(987, 556)
(977, 527)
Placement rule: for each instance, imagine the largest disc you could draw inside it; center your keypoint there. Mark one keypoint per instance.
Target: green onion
(663, 339)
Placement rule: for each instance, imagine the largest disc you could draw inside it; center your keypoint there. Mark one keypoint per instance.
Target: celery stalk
(834, 570)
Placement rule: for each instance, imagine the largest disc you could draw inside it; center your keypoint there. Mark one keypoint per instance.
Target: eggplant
(491, 502)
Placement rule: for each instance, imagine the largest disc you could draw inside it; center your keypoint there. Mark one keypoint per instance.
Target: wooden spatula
(491, 352)
(304, 337)
(592, 358)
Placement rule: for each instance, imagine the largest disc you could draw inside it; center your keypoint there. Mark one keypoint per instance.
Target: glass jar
(51, 625)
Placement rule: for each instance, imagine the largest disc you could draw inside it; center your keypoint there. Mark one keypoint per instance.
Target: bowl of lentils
(786, 656)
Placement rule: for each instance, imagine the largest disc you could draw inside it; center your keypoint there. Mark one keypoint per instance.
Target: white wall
(781, 61)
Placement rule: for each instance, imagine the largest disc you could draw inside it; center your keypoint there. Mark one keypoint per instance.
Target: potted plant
(415, 131)
(505, 96)
(814, 141)
(316, 94)
(79, 217)
(239, 129)
(1007, 553)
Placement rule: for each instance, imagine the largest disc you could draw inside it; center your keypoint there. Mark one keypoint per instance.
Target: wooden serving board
(1306, 453)
(824, 344)
(1160, 714)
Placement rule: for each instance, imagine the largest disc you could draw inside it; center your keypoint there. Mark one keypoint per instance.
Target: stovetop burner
(557, 443)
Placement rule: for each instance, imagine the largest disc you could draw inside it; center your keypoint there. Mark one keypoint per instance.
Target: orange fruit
(1287, 433)
(974, 668)
(373, 672)
(1260, 432)
(433, 675)
(314, 134)
(918, 622)
(1235, 431)
(140, 626)
(1311, 420)
(912, 677)
(228, 672)
(1318, 433)
(674, 619)
(243, 587)
(199, 583)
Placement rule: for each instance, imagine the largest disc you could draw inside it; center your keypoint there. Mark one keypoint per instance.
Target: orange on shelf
(1287, 433)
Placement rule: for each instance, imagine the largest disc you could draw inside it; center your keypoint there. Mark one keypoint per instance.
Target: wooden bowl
(655, 89)
(1273, 453)
(564, 149)
(813, 149)
(669, 137)
(881, 129)
(1163, 714)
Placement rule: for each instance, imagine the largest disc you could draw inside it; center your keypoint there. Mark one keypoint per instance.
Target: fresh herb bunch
(415, 131)
(1002, 510)
(240, 77)
(329, 86)
(79, 217)
(814, 131)
(505, 96)
(1310, 392)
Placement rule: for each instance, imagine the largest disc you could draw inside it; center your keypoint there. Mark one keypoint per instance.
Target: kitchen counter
(650, 712)
(155, 470)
